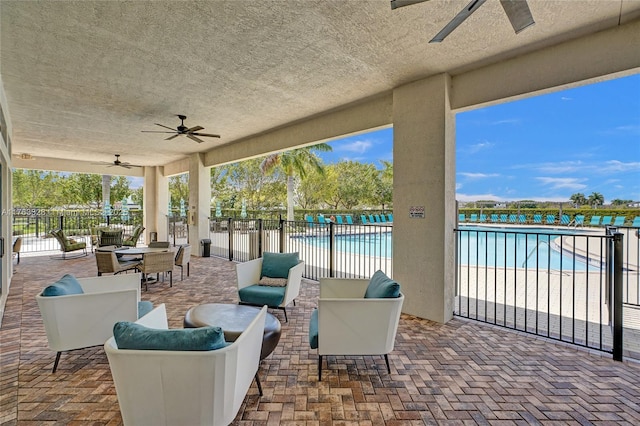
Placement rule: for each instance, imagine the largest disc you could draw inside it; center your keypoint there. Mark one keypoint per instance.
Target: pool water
(477, 246)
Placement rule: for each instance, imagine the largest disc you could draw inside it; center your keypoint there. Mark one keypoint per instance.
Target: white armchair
(77, 321)
(346, 323)
(164, 387)
(252, 292)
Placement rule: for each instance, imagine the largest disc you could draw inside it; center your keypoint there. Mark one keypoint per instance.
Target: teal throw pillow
(129, 335)
(65, 286)
(381, 286)
(277, 265)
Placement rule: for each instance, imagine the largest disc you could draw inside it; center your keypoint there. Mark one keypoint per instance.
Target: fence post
(617, 296)
(230, 230)
(331, 248)
(281, 242)
(61, 223)
(260, 238)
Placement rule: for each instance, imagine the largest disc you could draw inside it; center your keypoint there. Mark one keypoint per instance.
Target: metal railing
(558, 284)
(328, 249)
(34, 226)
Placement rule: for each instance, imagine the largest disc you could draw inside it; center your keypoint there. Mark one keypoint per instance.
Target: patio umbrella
(182, 211)
(169, 209)
(218, 210)
(243, 212)
(124, 211)
(106, 210)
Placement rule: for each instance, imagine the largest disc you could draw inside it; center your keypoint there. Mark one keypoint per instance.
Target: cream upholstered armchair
(79, 313)
(180, 376)
(356, 317)
(273, 280)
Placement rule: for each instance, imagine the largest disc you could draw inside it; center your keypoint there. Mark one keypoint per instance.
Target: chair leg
(258, 383)
(55, 363)
(319, 368)
(285, 315)
(386, 358)
(188, 264)
(19, 259)
(170, 278)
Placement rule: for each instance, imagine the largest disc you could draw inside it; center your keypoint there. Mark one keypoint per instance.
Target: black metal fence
(34, 226)
(557, 283)
(328, 249)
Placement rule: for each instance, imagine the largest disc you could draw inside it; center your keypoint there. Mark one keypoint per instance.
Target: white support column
(156, 203)
(199, 201)
(424, 176)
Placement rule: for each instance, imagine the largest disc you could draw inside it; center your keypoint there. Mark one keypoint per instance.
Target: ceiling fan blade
(205, 134)
(166, 127)
(401, 3)
(518, 13)
(193, 138)
(156, 131)
(171, 137)
(457, 20)
(194, 129)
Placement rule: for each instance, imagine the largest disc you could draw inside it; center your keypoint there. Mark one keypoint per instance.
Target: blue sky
(546, 148)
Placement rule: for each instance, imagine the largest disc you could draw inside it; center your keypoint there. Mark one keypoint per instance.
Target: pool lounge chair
(619, 221)
(383, 218)
(461, 217)
(339, 220)
(577, 221)
(390, 217)
(522, 218)
(349, 219)
(503, 218)
(473, 218)
(551, 219)
(513, 218)
(371, 219)
(537, 219)
(376, 217)
(606, 221)
(483, 218)
(636, 222)
(321, 219)
(495, 218)
(595, 221)
(565, 220)
(363, 219)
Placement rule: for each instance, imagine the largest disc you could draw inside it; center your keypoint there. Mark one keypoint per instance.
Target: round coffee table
(234, 319)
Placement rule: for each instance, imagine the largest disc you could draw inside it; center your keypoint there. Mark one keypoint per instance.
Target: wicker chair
(110, 237)
(68, 245)
(108, 263)
(159, 244)
(157, 263)
(132, 240)
(183, 257)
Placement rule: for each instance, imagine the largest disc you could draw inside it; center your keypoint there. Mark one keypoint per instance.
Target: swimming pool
(478, 246)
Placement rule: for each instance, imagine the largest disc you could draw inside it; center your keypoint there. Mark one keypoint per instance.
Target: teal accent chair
(273, 280)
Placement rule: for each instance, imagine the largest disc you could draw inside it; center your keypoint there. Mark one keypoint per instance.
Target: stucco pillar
(199, 201)
(424, 177)
(156, 203)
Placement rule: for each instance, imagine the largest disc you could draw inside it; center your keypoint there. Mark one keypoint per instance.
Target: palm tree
(294, 163)
(596, 199)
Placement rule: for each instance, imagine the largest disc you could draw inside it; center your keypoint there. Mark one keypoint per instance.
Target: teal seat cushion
(262, 295)
(313, 330)
(381, 286)
(144, 307)
(129, 335)
(65, 286)
(277, 265)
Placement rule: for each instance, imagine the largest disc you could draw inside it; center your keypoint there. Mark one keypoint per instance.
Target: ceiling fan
(117, 163)
(192, 133)
(517, 11)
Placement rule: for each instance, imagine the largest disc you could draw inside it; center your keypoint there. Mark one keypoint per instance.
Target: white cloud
(472, 149)
(573, 184)
(358, 147)
(506, 121)
(619, 166)
(475, 176)
(565, 98)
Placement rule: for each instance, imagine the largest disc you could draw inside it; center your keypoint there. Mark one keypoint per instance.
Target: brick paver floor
(456, 373)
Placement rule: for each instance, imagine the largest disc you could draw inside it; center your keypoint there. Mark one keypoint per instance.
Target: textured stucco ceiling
(83, 78)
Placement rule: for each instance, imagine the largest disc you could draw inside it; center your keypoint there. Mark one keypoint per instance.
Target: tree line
(297, 177)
